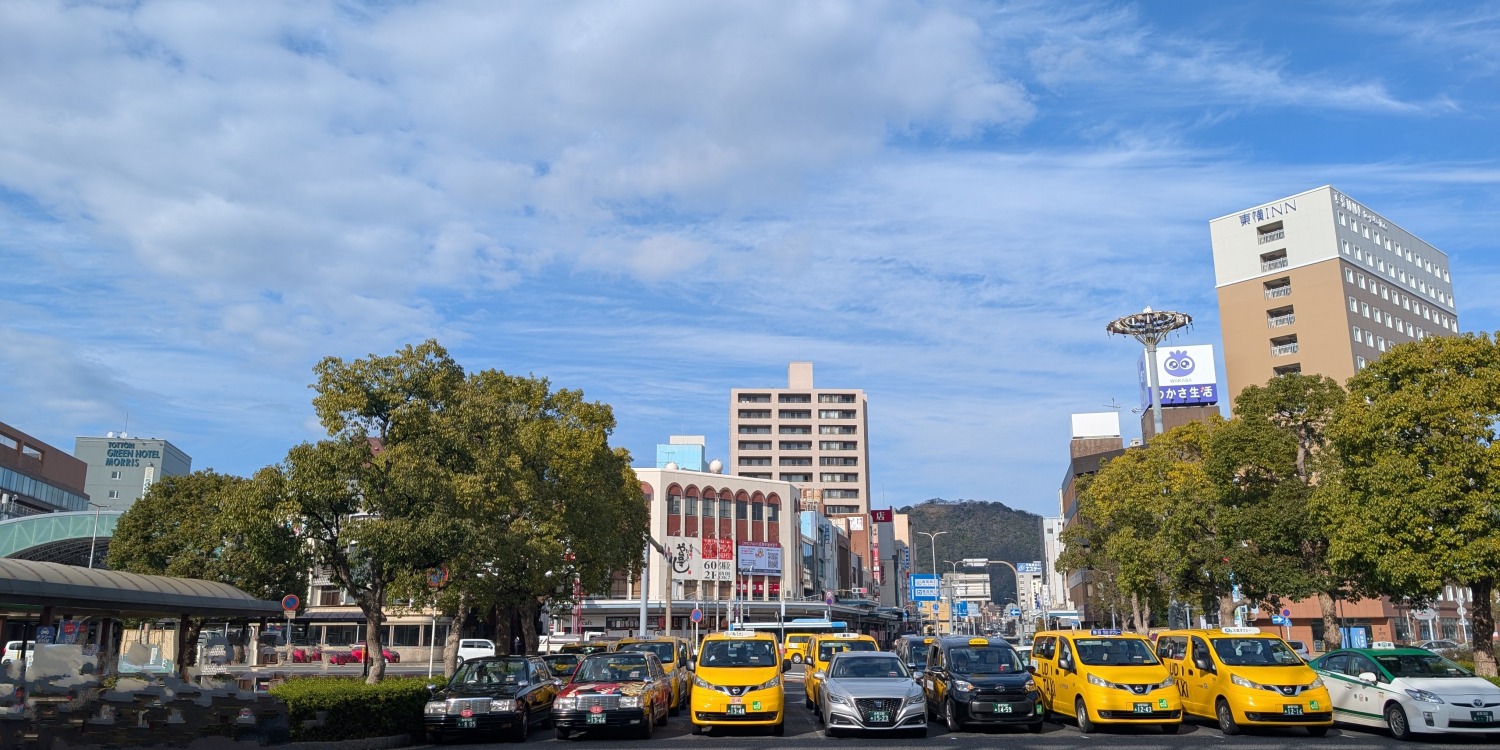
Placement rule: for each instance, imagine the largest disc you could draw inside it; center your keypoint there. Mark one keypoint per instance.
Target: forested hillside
(976, 528)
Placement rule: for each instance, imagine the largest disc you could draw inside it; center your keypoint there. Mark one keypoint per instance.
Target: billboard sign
(760, 558)
(1029, 567)
(1185, 376)
(926, 587)
(696, 559)
(883, 516)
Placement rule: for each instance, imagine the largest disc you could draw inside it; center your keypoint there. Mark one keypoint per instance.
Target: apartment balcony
(1282, 350)
(1272, 236)
(1281, 320)
(1277, 292)
(1273, 264)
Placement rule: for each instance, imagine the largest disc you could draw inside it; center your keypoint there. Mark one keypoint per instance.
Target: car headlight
(1315, 684)
(436, 708)
(566, 704)
(916, 700)
(630, 701)
(502, 705)
(963, 686)
(768, 684)
(1424, 696)
(1169, 682)
(1030, 686)
(1244, 683)
(839, 699)
(705, 684)
(1100, 681)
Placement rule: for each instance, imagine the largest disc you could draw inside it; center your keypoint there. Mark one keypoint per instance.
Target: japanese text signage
(1268, 212)
(1029, 567)
(700, 559)
(925, 587)
(882, 516)
(1185, 376)
(760, 558)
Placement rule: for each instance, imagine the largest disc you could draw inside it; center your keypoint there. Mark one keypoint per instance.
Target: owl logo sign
(1179, 364)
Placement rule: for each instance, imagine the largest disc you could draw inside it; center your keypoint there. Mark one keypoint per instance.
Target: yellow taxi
(796, 646)
(737, 682)
(1104, 677)
(1243, 677)
(820, 651)
(673, 653)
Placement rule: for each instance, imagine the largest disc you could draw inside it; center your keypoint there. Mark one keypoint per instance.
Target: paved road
(802, 730)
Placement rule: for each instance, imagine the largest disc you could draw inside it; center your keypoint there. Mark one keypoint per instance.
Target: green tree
(1266, 462)
(542, 499)
(375, 501)
(213, 527)
(1149, 524)
(1420, 479)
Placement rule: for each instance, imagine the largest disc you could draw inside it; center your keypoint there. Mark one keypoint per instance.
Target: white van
(473, 648)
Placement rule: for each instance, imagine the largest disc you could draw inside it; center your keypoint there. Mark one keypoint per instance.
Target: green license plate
(1003, 708)
(1482, 716)
(467, 723)
(596, 718)
(1291, 710)
(880, 717)
(1143, 708)
(737, 710)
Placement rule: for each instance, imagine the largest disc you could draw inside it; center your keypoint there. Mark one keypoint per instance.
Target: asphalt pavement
(803, 730)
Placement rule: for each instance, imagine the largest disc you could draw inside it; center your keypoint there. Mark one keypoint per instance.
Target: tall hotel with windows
(811, 437)
(1318, 283)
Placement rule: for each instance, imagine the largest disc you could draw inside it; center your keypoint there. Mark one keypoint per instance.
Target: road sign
(1286, 613)
(961, 609)
(290, 603)
(1425, 614)
(697, 615)
(926, 587)
(1278, 620)
(1014, 612)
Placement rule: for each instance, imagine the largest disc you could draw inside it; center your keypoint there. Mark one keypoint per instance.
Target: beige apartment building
(1318, 283)
(812, 437)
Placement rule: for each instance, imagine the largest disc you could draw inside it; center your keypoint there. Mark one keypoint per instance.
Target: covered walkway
(59, 537)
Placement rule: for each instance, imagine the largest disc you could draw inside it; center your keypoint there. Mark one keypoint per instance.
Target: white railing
(1284, 349)
(1283, 320)
(1272, 236)
(1271, 265)
(1279, 291)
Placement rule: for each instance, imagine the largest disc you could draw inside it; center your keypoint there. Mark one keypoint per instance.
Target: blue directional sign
(961, 609)
(926, 587)
(1278, 620)
(1014, 612)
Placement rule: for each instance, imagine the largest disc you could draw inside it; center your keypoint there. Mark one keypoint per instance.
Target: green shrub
(354, 710)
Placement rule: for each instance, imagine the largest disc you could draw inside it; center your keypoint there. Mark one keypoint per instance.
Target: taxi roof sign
(740, 633)
(1104, 631)
(1383, 645)
(846, 636)
(979, 642)
(1239, 631)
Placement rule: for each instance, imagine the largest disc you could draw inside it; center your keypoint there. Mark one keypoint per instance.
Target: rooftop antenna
(1113, 404)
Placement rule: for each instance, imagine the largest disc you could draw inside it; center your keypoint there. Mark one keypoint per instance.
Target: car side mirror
(1031, 668)
(1065, 665)
(786, 665)
(1203, 664)
(431, 688)
(1368, 678)
(690, 666)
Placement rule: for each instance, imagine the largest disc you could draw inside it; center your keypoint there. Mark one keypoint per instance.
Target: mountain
(976, 528)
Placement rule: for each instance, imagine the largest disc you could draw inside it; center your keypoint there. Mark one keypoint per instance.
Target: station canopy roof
(26, 586)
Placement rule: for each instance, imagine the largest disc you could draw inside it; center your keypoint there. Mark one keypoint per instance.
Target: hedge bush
(354, 710)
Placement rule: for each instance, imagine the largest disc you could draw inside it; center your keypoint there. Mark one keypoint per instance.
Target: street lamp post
(94, 541)
(1149, 327)
(932, 537)
(980, 562)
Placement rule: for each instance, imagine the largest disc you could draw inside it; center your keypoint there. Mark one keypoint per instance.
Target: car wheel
(523, 728)
(662, 721)
(796, 658)
(1081, 712)
(435, 738)
(1170, 728)
(832, 733)
(562, 733)
(1227, 724)
(647, 726)
(950, 716)
(1322, 731)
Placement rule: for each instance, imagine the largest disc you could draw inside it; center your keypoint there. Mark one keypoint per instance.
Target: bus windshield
(826, 649)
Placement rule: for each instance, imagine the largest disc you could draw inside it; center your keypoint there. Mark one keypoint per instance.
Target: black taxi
(508, 694)
(979, 681)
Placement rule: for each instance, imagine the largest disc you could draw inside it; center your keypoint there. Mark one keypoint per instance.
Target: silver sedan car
(874, 691)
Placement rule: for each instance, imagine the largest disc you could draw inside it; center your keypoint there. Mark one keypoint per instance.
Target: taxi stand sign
(1104, 631)
(1239, 631)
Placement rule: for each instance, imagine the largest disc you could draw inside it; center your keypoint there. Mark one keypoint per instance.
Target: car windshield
(663, 651)
(738, 653)
(1255, 652)
(984, 660)
(826, 649)
(1421, 665)
(498, 672)
(882, 666)
(1099, 652)
(616, 667)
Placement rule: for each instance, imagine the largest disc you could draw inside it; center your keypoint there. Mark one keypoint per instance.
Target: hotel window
(674, 504)
(1364, 309)
(114, 475)
(1353, 305)
(755, 398)
(795, 429)
(1380, 343)
(838, 429)
(1346, 246)
(793, 398)
(794, 414)
(1369, 339)
(775, 512)
(755, 413)
(796, 477)
(708, 507)
(836, 398)
(755, 460)
(1387, 320)
(1359, 254)
(1411, 330)
(1343, 220)
(1359, 363)
(836, 414)
(796, 461)
(755, 429)
(114, 494)
(1359, 336)
(796, 445)
(1361, 281)
(1385, 292)
(1349, 275)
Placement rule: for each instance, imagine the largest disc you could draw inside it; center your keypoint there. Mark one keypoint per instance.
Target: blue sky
(940, 203)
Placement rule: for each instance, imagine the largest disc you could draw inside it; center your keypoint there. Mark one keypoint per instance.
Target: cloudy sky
(941, 203)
